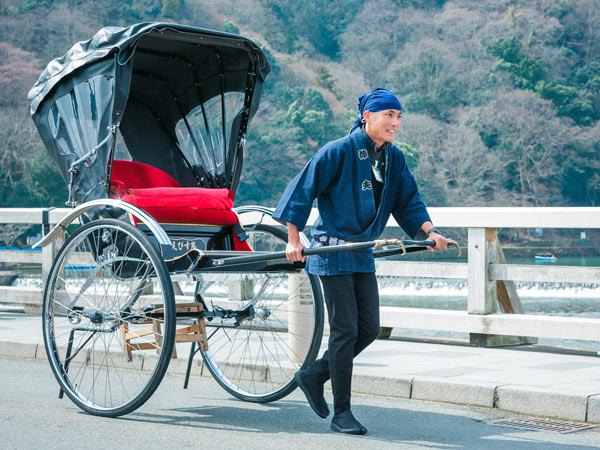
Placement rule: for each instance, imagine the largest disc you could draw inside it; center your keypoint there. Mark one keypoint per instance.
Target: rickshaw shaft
(234, 260)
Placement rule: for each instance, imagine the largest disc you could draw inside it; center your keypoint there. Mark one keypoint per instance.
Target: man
(358, 182)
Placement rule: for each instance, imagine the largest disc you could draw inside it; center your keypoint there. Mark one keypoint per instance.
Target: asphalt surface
(205, 416)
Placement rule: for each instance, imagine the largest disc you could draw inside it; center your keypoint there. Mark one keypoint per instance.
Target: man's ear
(366, 115)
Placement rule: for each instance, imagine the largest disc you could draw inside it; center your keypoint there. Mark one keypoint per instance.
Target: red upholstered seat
(185, 205)
(161, 196)
(134, 175)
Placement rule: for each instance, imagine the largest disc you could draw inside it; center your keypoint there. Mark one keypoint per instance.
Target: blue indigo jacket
(338, 176)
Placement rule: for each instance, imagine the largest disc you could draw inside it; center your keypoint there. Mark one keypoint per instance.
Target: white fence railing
(494, 314)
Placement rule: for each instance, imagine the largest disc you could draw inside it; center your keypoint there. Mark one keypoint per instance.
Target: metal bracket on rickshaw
(195, 263)
(89, 158)
(253, 208)
(263, 212)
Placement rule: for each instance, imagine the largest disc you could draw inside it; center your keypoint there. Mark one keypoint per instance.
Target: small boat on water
(545, 257)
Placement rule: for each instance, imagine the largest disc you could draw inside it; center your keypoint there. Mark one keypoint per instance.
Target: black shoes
(345, 422)
(313, 392)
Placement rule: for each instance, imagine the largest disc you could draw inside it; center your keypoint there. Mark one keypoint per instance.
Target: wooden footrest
(151, 338)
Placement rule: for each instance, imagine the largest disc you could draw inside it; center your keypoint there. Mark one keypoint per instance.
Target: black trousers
(353, 306)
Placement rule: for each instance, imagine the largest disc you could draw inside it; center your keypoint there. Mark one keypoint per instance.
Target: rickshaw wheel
(108, 318)
(254, 358)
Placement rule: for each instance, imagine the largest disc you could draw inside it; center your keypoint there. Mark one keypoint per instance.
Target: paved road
(529, 380)
(32, 417)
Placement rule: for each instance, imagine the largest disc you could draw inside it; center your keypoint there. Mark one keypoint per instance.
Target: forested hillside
(502, 98)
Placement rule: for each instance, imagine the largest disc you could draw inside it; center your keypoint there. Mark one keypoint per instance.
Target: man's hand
(441, 243)
(293, 249)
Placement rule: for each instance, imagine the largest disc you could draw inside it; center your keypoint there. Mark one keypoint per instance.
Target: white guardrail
(494, 313)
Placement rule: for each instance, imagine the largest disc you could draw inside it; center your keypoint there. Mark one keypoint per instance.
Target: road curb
(400, 387)
(461, 392)
(539, 401)
(593, 409)
(19, 349)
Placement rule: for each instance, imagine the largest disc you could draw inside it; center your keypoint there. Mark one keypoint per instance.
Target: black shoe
(313, 392)
(345, 422)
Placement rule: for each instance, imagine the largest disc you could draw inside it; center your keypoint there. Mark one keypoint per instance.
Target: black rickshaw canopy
(181, 98)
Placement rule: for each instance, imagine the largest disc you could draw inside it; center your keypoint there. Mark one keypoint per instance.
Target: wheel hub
(262, 313)
(96, 317)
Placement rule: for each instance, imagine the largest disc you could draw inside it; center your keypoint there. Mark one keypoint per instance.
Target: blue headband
(377, 100)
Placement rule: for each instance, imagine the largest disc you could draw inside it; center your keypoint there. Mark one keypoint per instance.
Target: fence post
(509, 302)
(484, 249)
(48, 254)
(482, 291)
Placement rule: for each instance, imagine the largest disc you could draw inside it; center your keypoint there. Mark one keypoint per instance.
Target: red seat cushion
(161, 196)
(185, 205)
(134, 175)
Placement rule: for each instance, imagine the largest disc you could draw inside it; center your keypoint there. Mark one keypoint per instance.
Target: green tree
(324, 78)
(588, 80)
(172, 8)
(527, 73)
(311, 113)
(568, 101)
(429, 81)
(230, 27)
(580, 172)
(320, 22)
(410, 153)
(32, 4)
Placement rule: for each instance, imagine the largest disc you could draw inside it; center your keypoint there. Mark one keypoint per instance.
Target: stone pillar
(300, 316)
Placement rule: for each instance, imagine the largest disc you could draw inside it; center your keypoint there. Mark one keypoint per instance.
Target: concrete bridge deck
(522, 379)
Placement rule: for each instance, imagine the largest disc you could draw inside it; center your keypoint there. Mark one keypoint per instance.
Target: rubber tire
(315, 343)
(169, 324)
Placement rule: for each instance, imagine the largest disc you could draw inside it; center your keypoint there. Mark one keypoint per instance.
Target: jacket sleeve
(409, 209)
(297, 199)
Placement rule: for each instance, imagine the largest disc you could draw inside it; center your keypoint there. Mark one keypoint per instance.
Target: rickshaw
(147, 126)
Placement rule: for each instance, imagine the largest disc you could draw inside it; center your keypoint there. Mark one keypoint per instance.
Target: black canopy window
(76, 119)
(175, 97)
(200, 133)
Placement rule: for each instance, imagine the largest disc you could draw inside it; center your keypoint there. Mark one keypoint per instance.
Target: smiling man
(358, 182)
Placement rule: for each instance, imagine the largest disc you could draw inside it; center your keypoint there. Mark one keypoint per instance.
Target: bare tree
(18, 141)
(18, 72)
(9, 233)
(427, 136)
(470, 170)
(528, 138)
(373, 39)
(454, 167)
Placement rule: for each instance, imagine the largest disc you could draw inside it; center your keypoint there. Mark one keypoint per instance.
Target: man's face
(381, 126)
